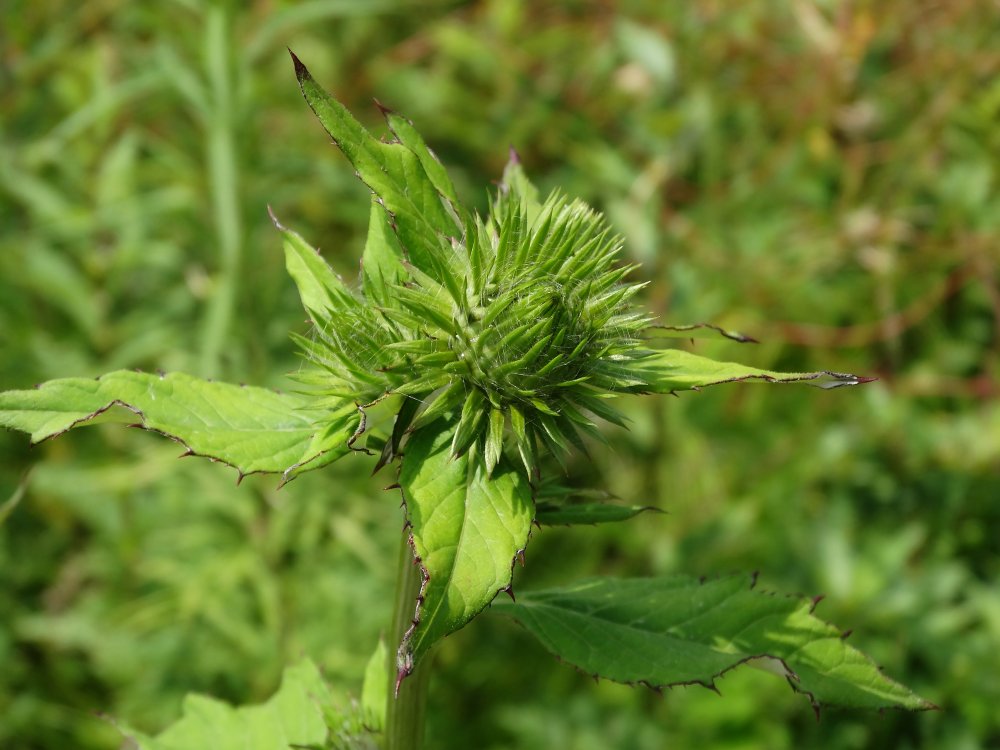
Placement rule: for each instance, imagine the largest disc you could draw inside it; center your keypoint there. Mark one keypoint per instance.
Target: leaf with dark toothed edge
(252, 429)
(678, 631)
(467, 531)
(677, 370)
(395, 174)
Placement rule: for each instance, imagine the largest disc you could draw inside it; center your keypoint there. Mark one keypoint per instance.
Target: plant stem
(224, 181)
(404, 716)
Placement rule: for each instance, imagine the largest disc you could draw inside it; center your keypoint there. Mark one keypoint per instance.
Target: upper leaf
(677, 370)
(320, 289)
(675, 631)
(251, 429)
(466, 532)
(396, 175)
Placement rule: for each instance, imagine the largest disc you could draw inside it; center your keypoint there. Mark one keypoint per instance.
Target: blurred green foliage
(823, 175)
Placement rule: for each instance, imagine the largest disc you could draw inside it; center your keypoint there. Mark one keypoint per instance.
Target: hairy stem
(404, 717)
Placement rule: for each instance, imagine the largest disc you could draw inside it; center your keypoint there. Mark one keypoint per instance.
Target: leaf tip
(384, 110)
(300, 70)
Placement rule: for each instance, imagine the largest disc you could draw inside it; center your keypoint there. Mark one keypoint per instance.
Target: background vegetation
(822, 175)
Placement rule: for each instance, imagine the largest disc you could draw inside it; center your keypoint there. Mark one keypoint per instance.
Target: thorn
(816, 708)
(714, 688)
(509, 590)
(816, 600)
(513, 156)
(400, 675)
(845, 635)
(520, 557)
(161, 373)
(186, 453)
(386, 111)
(753, 578)
(394, 486)
(134, 424)
(239, 478)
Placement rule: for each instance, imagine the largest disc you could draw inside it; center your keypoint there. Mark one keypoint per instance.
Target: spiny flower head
(524, 321)
(515, 324)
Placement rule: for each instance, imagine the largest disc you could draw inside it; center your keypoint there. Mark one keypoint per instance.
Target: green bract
(494, 340)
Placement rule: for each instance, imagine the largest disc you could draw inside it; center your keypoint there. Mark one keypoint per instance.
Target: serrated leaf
(466, 530)
(293, 717)
(676, 370)
(394, 174)
(676, 631)
(320, 289)
(548, 514)
(252, 429)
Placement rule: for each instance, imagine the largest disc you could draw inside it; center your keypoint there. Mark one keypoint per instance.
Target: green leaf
(375, 688)
(294, 717)
(382, 261)
(252, 429)
(320, 289)
(407, 135)
(676, 370)
(466, 532)
(394, 173)
(676, 631)
(549, 514)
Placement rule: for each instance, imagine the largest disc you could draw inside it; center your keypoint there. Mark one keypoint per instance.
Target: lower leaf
(467, 530)
(678, 631)
(296, 716)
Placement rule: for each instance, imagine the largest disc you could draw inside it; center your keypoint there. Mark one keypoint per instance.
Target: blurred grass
(821, 175)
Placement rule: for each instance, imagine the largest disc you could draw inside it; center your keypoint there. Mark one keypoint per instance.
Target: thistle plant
(488, 344)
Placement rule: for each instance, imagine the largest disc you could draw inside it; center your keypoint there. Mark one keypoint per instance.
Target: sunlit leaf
(467, 531)
(294, 717)
(252, 429)
(676, 370)
(676, 630)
